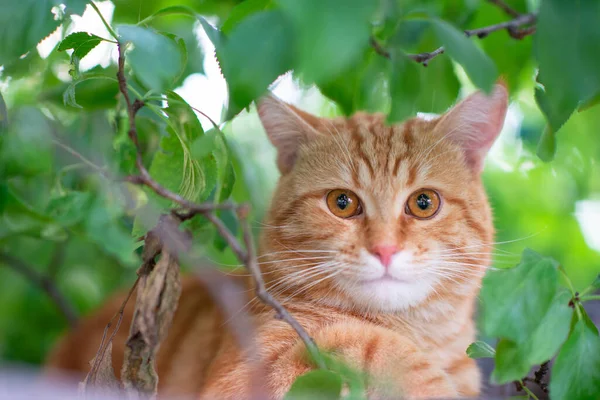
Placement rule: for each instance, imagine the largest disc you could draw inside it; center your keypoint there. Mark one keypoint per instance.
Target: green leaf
(331, 35)
(81, 43)
(576, 372)
(510, 56)
(71, 208)
(96, 90)
(242, 11)
(509, 363)
(24, 24)
(547, 145)
(149, 47)
(104, 226)
(316, 385)
(261, 44)
(573, 77)
(439, 85)
(480, 349)
(478, 66)
(73, 6)
(513, 361)
(516, 301)
(3, 115)
(404, 86)
(27, 147)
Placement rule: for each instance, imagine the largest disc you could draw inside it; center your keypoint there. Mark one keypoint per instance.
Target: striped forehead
(377, 160)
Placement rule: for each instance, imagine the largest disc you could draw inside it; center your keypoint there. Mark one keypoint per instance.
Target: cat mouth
(385, 278)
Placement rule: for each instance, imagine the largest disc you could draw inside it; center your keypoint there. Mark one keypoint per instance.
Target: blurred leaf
(73, 6)
(71, 208)
(547, 145)
(317, 385)
(242, 11)
(513, 361)
(517, 300)
(478, 66)
(81, 43)
(330, 35)
(3, 116)
(404, 86)
(480, 349)
(103, 225)
(261, 43)
(97, 89)
(24, 24)
(567, 54)
(511, 56)
(576, 372)
(27, 147)
(148, 47)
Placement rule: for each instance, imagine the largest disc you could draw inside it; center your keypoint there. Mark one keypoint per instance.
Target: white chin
(388, 295)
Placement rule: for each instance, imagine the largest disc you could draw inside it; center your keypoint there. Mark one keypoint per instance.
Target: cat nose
(384, 253)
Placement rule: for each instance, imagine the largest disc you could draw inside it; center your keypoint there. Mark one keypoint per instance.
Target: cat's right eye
(343, 203)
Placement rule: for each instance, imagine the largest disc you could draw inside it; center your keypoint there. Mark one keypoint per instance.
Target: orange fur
(410, 331)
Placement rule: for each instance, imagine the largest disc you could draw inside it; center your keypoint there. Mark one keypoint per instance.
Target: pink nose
(384, 253)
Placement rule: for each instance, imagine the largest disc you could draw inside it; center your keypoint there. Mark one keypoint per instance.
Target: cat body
(376, 241)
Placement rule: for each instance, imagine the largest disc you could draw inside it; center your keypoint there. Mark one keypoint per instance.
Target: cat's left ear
(287, 128)
(475, 123)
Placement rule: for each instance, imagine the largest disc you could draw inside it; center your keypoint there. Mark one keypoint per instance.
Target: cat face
(379, 218)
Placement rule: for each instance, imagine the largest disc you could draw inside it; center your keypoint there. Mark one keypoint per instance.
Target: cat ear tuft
(475, 123)
(287, 128)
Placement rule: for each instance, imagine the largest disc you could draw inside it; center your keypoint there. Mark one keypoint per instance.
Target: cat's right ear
(287, 128)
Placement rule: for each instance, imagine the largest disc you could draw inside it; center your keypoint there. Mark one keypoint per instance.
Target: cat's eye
(343, 203)
(423, 204)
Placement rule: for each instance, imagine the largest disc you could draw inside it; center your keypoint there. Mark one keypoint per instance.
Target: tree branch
(246, 256)
(513, 27)
(46, 284)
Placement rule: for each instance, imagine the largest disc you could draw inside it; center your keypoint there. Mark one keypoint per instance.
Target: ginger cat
(376, 241)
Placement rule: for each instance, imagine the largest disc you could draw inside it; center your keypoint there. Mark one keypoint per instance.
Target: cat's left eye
(423, 204)
(343, 203)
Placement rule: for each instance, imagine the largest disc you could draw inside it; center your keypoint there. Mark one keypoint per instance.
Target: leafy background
(62, 218)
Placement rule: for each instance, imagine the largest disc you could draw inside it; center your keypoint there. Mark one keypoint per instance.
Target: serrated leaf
(261, 44)
(516, 301)
(24, 24)
(513, 361)
(316, 385)
(149, 47)
(573, 77)
(81, 43)
(330, 35)
(478, 66)
(404, 86)
(480, 349)
(576, 372)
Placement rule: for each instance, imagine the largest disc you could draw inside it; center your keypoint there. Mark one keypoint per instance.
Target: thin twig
(106, 24)
(46, 284)
(86, 161)
(540, 374)
(513, 28)
(505, 7)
